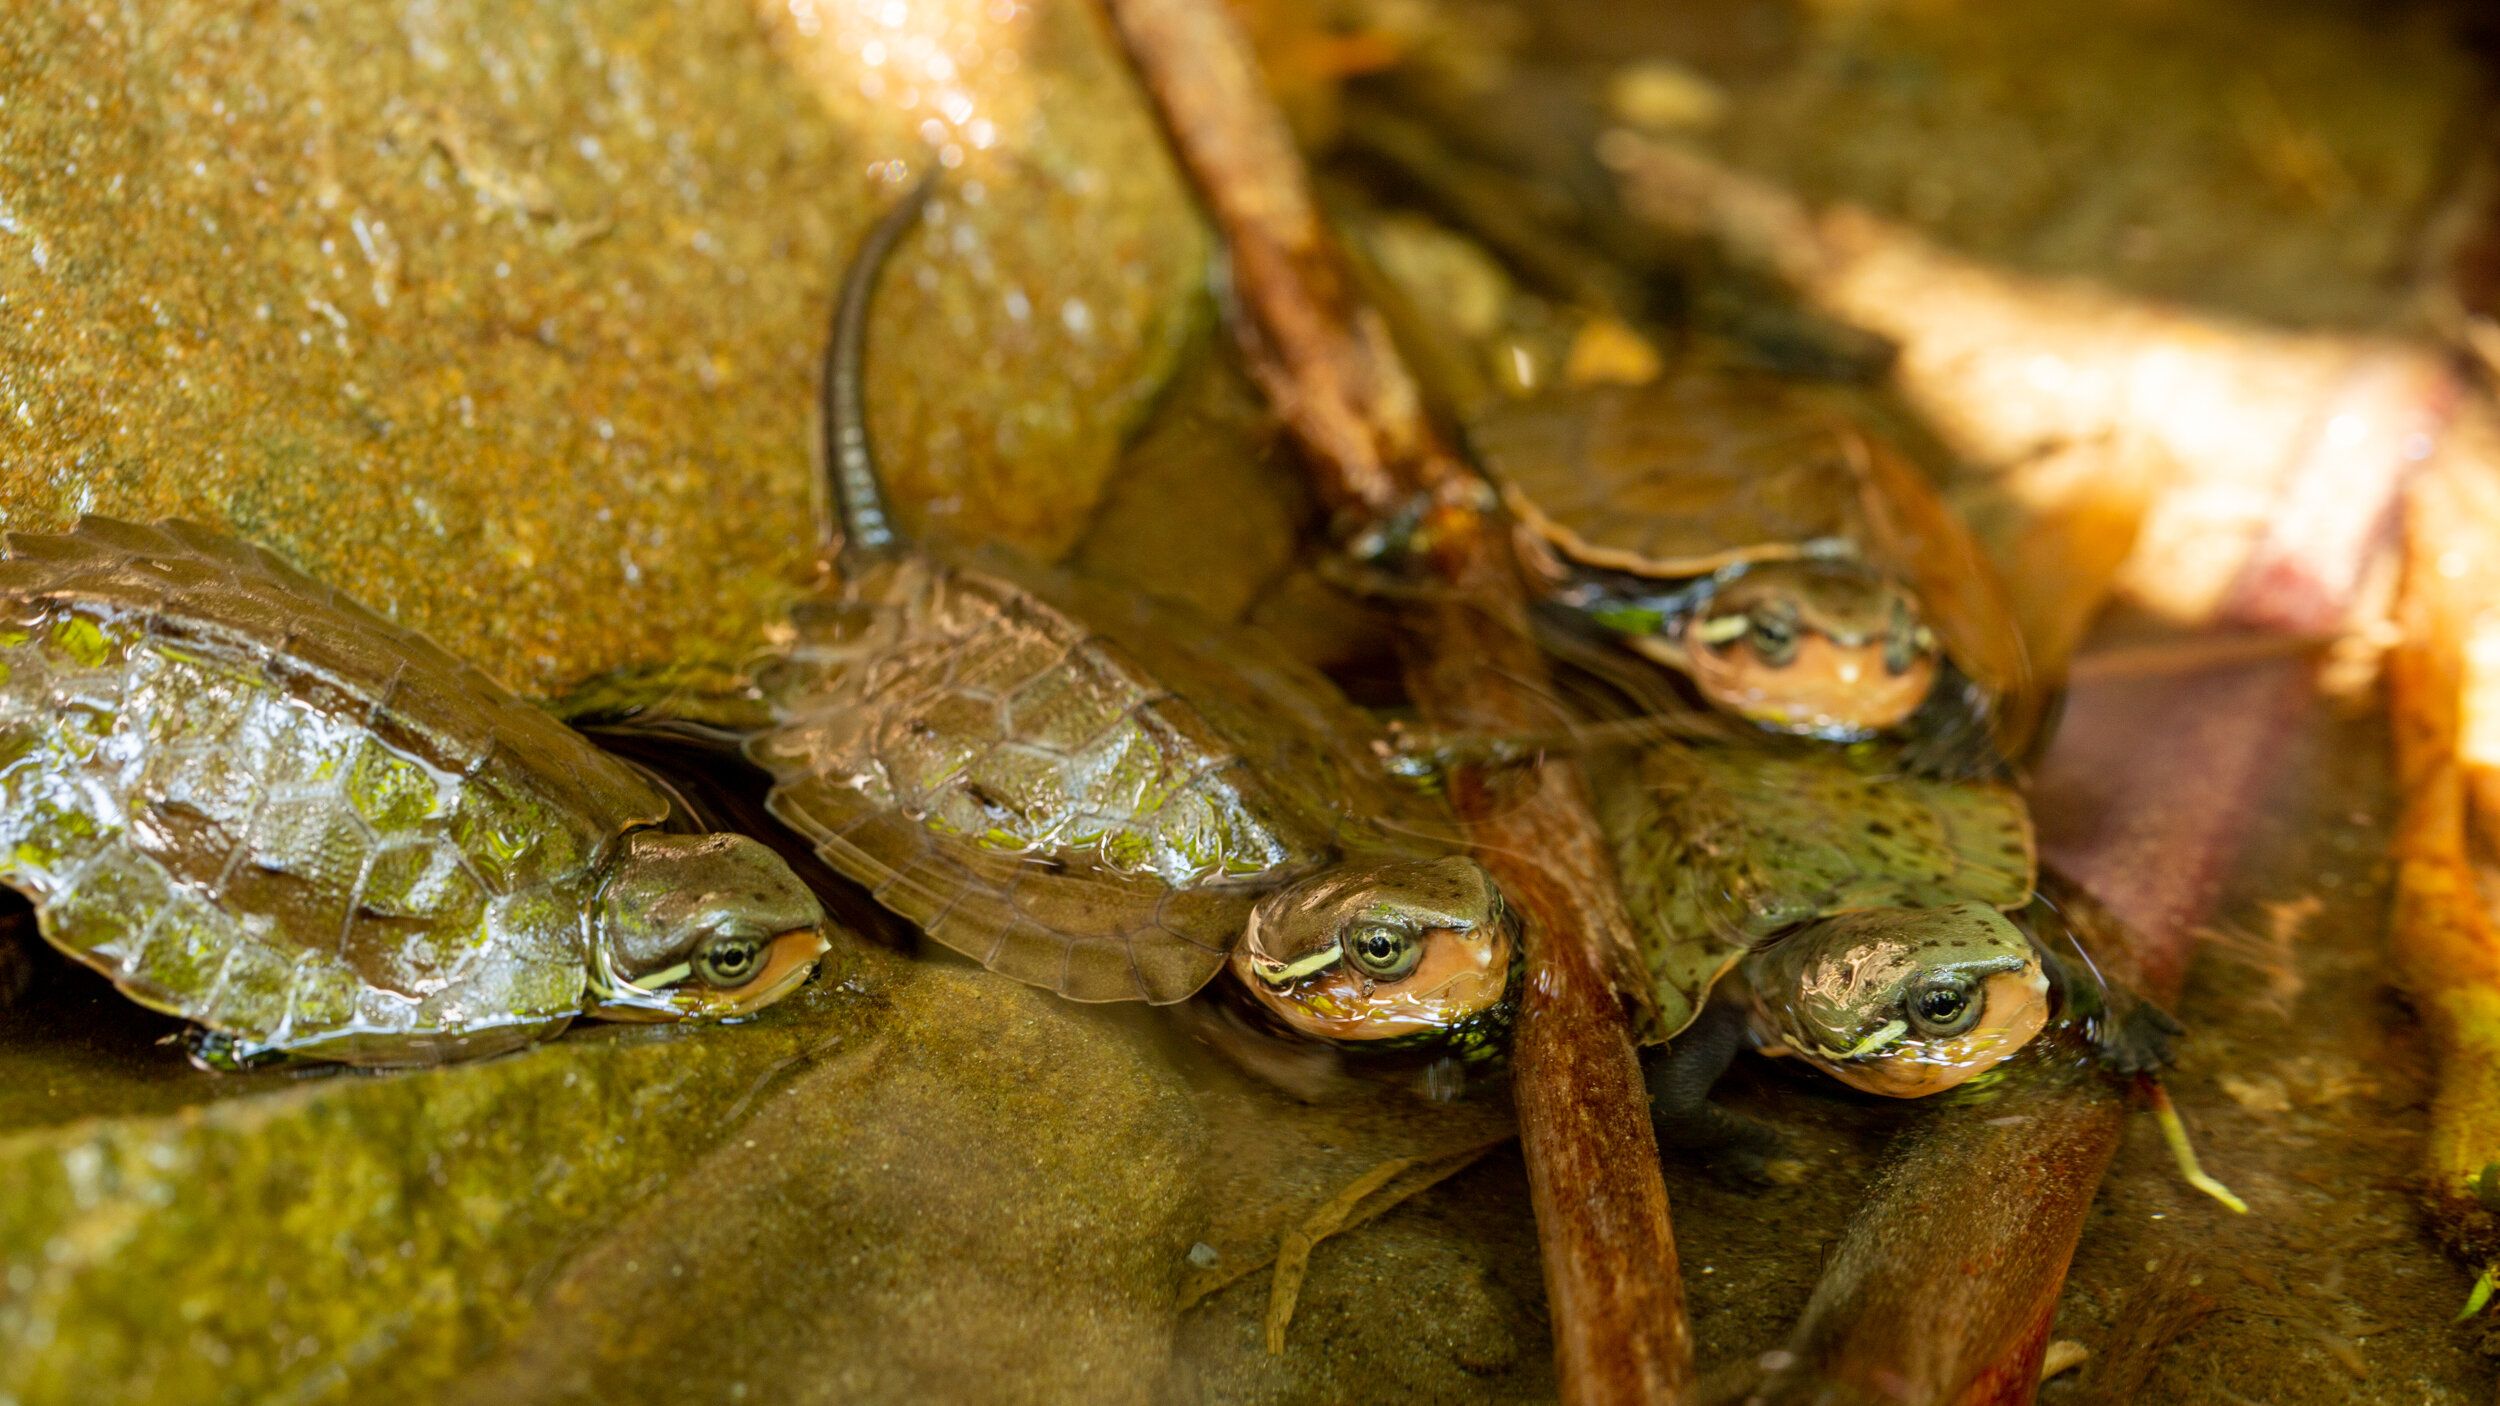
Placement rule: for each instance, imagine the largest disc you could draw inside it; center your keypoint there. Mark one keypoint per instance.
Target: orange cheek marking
(1826, 686)
(1930, 1066)
(787, 964)
(1461, 974)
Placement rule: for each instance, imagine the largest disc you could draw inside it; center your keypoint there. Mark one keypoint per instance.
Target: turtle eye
(1383, 952)
(729, 961)
(1773, 631)
(1944, 1007)
(1900, 652)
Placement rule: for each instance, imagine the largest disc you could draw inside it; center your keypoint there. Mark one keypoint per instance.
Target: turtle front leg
(2130, 1033)
(2140, 1040)
(1425, 756)
(220, 1053)
(1680, 1078)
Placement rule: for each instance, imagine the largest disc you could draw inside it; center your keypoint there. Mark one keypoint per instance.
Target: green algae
(913, 1181)
(362, 1263)
(991, 1201)
(531, 1218)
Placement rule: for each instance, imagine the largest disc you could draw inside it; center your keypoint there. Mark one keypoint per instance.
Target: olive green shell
(254, 804)
(1701, 470)
(1721, 849)
(1090, 807)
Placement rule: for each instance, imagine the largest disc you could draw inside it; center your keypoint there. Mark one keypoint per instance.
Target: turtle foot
(2138, 1039)
(1424, 758)
(1737, 1147)
(1742, 1150)
(224, 1054)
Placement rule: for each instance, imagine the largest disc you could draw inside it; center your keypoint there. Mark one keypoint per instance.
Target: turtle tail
(859, 501)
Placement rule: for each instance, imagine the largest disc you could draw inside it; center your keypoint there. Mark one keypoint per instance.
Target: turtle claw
(2130, 1034)
(1384, 560)
(1377, 577)
(1389, 556)
(2140, 1039)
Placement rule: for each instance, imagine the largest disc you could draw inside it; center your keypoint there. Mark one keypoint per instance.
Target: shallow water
(920, 1182)
(2300, 1078)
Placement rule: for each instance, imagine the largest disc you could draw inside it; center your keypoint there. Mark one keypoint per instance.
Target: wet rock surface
(886, 1225)
(306, 1234)
(507, 318)
(914, 1181)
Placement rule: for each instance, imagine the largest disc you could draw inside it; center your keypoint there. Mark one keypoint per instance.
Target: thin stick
(1293, 1253)
(1326, 361)
(2182, 1151)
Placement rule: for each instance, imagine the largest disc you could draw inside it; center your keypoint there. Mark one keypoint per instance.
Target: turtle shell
(1723, 848)
(1082, 789)
(1696, 472)
(256, 805)
(1678, 477)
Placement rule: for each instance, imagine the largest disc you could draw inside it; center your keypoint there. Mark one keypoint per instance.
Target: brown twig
(2144, 802)
(1326, 360)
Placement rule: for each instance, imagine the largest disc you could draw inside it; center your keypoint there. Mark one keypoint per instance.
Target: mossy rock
(893, 1187)
(506, 318)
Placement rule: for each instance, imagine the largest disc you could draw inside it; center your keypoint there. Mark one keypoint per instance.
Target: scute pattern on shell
(252, 803)
(1721, 848)
(1027, 789)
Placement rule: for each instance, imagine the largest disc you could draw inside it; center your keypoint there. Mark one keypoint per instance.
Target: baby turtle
(1106, 796)
(1794, 568)
(256, 805)
(1862, 915)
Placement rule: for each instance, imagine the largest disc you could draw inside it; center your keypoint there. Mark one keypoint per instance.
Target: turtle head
(1415, 952)
(699, 927)
(1822, 646)
(1902, 1001)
